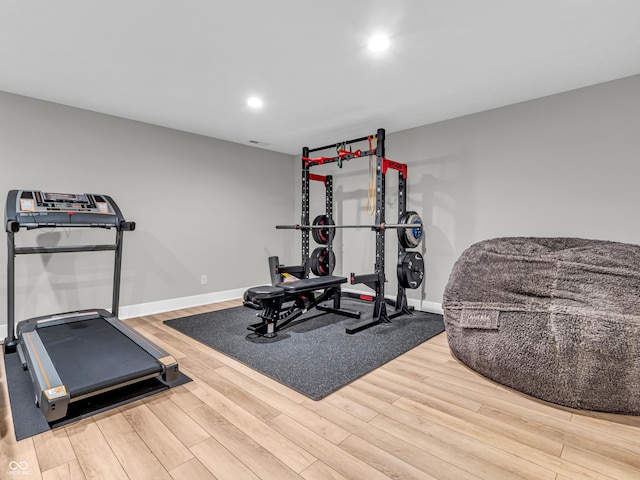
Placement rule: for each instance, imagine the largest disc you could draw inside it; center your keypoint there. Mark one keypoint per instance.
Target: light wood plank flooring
(421, 416)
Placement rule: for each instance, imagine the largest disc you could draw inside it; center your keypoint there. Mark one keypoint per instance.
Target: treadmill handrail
(65, 249)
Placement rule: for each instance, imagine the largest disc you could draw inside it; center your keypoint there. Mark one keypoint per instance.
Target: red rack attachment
(401, 167)
(317, 160)
(318, 178)
(341, 155)
(345, 153)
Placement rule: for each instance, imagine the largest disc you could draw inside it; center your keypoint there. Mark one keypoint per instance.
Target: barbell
(381, 226)
(409, 228)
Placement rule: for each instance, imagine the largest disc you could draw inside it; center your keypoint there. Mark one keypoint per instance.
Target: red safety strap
(345, 153)
(341, 154)
(317, 161)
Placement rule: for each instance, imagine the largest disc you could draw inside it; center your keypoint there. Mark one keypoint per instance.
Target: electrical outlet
(203, 280)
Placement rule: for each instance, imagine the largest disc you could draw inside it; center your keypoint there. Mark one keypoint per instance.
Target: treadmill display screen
(65, 197)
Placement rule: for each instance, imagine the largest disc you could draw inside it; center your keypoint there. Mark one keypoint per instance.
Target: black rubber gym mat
(313, 354)
(90, 355)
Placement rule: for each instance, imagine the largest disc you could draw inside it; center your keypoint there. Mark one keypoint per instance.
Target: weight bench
(304, 294)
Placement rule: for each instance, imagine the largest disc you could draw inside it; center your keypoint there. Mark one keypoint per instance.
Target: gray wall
(564, 165)
(202, 206)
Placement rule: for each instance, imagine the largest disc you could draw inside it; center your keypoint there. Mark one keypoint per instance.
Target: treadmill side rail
(170, 371)
(52, 396)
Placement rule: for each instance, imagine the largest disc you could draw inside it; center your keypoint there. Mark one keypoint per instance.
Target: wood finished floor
(421, 416)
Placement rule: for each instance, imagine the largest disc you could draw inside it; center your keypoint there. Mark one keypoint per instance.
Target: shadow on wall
(444, 197)
(356, 247)
(55, 283)
(440, 189)
(158, 279)
(52, 283)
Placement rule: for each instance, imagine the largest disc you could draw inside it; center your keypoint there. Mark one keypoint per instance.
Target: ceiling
(191, 64)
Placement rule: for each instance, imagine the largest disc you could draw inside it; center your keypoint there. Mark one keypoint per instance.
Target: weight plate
(410, 237)
(313, 263)
(410, 269)
(322, 261)
(321, 235)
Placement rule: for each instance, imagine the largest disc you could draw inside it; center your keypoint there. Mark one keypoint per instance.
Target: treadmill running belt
(92, 355)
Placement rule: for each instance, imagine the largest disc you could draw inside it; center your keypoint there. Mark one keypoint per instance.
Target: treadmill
(76, 355)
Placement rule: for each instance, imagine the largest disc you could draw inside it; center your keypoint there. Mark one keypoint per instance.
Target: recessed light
(378, 43)
(254, 102)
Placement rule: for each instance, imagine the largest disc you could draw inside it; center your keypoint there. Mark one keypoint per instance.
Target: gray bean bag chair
(555, 318)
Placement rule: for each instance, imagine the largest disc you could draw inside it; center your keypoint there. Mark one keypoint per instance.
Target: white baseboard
(151, 308)
(431, 307)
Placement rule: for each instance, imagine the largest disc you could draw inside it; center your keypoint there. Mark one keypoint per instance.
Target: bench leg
(335, 294)
(270, 315)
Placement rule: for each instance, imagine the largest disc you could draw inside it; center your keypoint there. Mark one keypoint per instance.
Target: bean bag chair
(555, 318)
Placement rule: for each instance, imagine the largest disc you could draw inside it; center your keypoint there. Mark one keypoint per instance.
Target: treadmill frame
(51, 395)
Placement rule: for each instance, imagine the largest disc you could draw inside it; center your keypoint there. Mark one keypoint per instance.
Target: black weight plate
(329, 262)
(322, 261)
(410, 269)
(321, 235)
(410, 237)
(402, 235)
(313, 263)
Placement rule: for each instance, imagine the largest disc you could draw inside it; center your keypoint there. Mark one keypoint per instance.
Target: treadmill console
(36, 209)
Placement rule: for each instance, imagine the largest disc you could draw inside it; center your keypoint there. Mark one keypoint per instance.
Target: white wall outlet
(203, 280)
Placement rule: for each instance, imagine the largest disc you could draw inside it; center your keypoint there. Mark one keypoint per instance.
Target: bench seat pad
(265, 292)
(315, 283)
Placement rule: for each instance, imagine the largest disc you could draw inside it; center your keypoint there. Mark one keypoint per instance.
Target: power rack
(410, 263)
